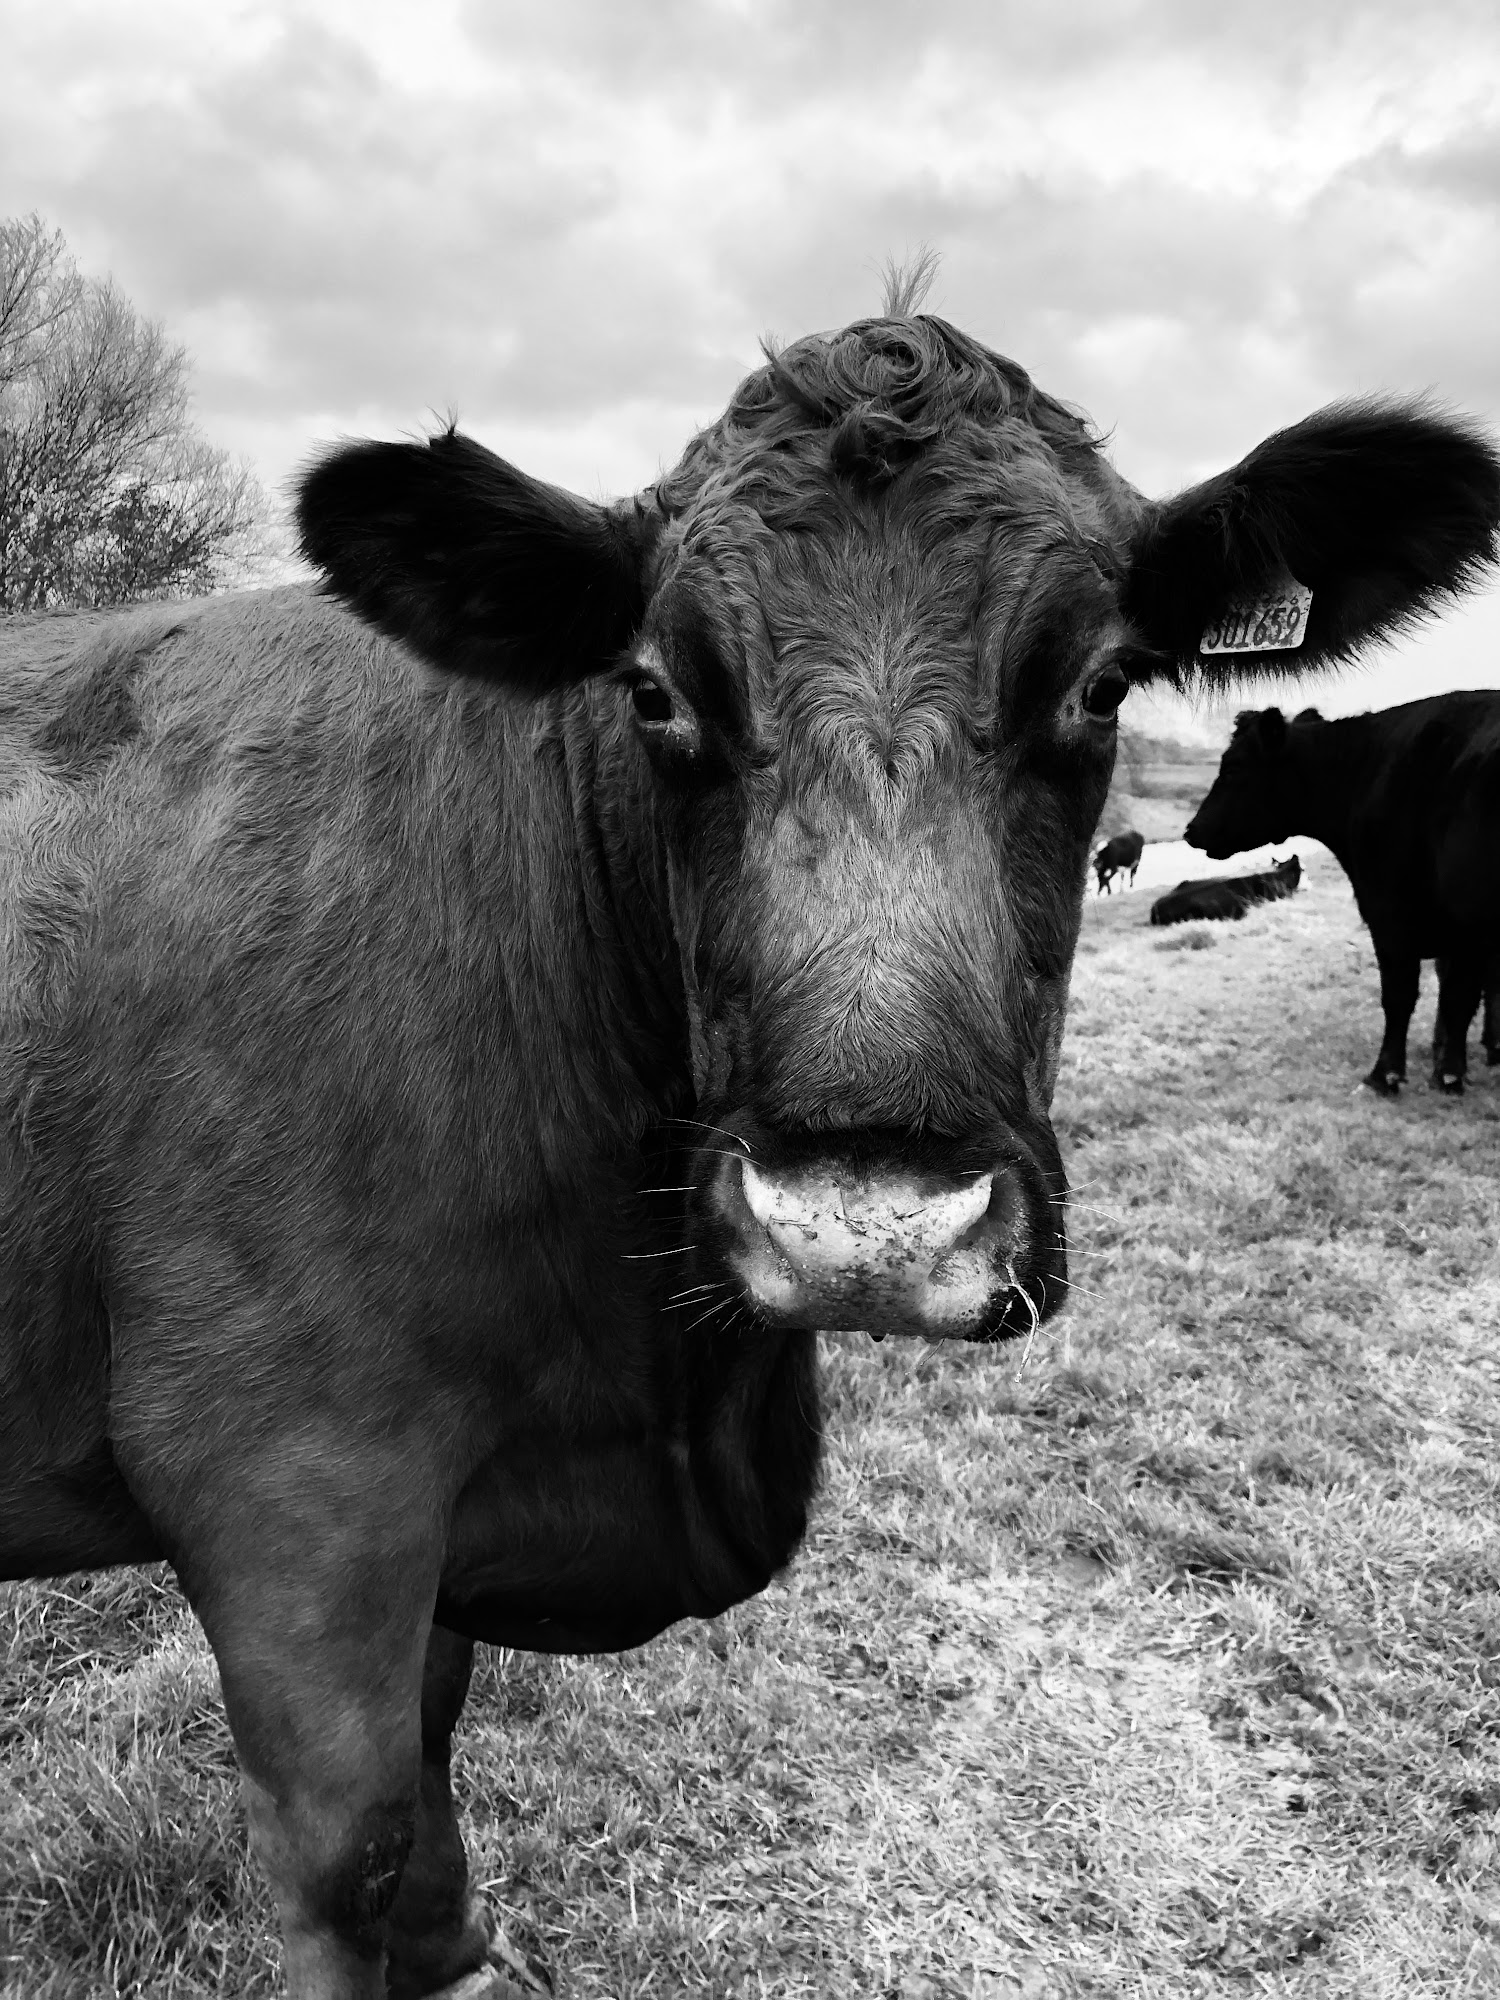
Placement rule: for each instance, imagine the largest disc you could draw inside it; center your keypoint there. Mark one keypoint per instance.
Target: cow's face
(881, 736)
(1253, 800)
(861, 653)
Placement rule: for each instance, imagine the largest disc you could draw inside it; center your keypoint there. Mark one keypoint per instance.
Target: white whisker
(712, 1313)
(1030, 1304)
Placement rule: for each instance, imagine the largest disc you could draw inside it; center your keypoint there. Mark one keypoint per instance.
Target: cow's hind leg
(1400, 975)
(1460, 986)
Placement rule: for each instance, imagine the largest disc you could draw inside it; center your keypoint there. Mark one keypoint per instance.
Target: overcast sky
(569, 221)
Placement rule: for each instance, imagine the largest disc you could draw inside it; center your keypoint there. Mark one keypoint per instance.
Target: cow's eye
(650, 700)
(1104, 694)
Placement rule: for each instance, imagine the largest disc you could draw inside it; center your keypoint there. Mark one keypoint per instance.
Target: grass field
(1157, 787)
(1164, 1663)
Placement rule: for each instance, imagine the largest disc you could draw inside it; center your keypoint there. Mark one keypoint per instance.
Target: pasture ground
(1158, 785)
(1164, 1663)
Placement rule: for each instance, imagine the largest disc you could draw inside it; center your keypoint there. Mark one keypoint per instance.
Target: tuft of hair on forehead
(907, 285)
(867, 401)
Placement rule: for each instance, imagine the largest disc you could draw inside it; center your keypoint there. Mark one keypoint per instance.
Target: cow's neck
(747, 1421)
(1326, 768)
(597, 940)
(704, 1441)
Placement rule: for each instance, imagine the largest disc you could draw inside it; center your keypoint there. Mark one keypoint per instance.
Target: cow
(1123, 852)
(1218, 896)
(1408, 800)
(465, 1029)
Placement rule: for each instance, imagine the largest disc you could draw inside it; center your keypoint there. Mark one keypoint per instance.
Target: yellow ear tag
(1274, 622)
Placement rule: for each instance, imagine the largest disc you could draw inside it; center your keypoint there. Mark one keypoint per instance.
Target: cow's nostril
(760, 1194)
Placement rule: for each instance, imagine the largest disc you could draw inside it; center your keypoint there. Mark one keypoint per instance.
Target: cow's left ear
(1380, 510)
(481, 569)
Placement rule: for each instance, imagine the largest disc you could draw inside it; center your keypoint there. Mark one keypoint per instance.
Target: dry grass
(1168, 1665)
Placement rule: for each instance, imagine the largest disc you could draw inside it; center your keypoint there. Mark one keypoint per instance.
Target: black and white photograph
(749, 1000)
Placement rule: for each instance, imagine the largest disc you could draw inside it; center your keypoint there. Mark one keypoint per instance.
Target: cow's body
(443, 1090)
(1118, 856)
(1217, 897)
(322, 903)
(1408, 800)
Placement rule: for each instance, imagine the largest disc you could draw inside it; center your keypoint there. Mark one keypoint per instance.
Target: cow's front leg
(321, 1637)
(1460, 985)
(1400, 975)
(439, 1936)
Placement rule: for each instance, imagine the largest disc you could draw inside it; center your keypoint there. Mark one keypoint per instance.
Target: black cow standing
(462, 1034)
(1408, 800)
(1115, 857)
(1217, 896)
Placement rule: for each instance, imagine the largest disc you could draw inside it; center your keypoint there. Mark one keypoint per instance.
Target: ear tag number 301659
(1273, 623)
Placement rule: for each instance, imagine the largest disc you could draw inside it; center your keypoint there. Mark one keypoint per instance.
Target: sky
(570, 223)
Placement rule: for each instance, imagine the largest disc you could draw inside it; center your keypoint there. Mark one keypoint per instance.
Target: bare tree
(108, 492)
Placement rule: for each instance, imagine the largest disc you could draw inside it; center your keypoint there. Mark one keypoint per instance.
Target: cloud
(571, 223)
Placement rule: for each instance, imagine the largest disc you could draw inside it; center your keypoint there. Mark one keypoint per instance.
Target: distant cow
(1408, 799)
(1226, 895)
(1117, 855)
(463, 1033)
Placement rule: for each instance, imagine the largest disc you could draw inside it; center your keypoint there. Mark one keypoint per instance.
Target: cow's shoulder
(229, 770)
(78, 688)
(1418, 738)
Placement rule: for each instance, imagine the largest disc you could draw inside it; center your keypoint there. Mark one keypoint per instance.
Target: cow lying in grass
(1220, 896)
(1408, 799)
(462, 1033)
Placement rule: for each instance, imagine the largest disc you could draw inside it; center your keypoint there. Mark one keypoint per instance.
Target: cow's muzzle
(1218, 842)
(974, 1256)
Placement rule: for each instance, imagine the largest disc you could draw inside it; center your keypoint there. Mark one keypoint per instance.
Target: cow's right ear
(1264, 727)
(480, 569)
(1381, 510)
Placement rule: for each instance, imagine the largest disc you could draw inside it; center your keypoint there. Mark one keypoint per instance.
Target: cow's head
(1258, 795)
(866, 645)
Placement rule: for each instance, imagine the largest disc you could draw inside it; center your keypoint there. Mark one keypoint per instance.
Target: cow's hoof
(488, 1983)
(1448, 1082)
(1385, 1082)
(506, 1975)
